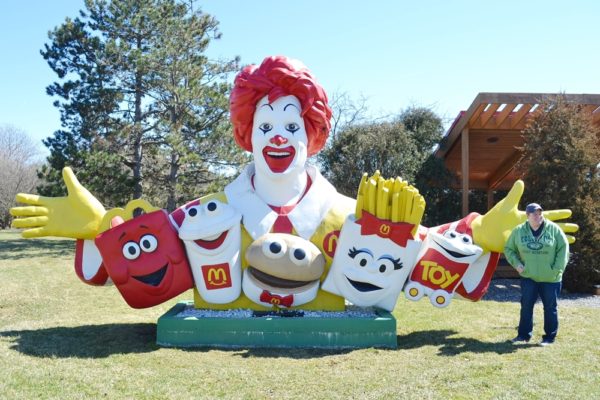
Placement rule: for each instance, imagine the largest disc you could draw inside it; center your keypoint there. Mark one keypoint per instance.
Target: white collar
(258, 218)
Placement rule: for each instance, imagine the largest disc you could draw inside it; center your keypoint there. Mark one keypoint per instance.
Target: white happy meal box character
(450, 263)
(376, 249)
(211, 234)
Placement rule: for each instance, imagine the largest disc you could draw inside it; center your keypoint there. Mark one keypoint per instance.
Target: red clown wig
(277, 77)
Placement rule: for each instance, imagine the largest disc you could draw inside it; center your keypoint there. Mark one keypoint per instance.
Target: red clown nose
(278, 140)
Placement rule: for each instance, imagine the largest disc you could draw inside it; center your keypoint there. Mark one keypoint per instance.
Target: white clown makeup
(279, 140)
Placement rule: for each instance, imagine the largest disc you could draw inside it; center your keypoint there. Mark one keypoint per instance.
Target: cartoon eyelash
(353, 252)
(397, 264)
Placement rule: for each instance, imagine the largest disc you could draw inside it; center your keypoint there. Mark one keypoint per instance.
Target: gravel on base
(510, 290)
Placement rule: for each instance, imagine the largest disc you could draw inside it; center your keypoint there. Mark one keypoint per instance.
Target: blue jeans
(548, 292)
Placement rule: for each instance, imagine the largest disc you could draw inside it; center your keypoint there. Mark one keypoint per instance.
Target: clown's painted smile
(279, 159)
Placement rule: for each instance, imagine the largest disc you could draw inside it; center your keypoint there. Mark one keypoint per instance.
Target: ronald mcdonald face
(279, 140)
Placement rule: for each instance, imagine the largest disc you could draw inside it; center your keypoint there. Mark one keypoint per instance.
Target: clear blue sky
(397, 53)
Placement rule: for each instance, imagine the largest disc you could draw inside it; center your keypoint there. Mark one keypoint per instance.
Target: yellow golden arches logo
(385, 229)
(275, 301)
(217, 277)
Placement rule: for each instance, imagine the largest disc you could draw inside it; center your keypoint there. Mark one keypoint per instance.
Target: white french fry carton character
(372, 261)
(211, 233)
(448, 257)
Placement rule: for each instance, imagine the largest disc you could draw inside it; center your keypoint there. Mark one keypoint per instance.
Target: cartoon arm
(491, 231)
(77, 215)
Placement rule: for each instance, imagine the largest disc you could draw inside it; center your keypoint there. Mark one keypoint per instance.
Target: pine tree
(144, 111)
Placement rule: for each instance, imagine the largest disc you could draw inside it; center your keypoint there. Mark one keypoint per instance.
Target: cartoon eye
(467, 239)
(192, 211)
(299, 257)
(450, 234)
(362, 257)
(387, 264)
(212, 208)
(131, 250)
(148, 243)
(274, 249)
(292, 127)
(265, 127)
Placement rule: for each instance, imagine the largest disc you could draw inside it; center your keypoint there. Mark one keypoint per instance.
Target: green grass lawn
(60, 338)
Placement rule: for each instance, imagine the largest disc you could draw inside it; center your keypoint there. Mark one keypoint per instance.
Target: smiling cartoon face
(369, 270)
(145, 260)
(279, 140)
(283, 270)
(211, 234)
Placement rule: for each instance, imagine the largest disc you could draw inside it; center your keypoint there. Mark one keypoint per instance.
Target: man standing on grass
(539, 251)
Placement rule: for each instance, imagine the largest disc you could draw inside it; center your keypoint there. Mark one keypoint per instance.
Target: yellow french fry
(360, 199)
(383, 208)
(402, 204)
(409, 203)
(418, 212)
(372, 196)
(395, 205)
(362, 184)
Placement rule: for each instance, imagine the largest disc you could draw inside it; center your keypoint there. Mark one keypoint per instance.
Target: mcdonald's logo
(275, 301)
(385, 229)
(216, 276)
(330, 242)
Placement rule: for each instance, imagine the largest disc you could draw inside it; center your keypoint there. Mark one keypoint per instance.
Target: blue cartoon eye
(265, 127)
(193, 211)
(388, 263)
(292, 127)
(298, 256)
(274, 249)
(361, 257)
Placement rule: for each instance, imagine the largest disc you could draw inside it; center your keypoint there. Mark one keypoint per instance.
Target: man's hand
(520, 269)
(491, 231)
(77, 215)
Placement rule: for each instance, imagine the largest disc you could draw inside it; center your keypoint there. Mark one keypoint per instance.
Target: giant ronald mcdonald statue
(280, 236)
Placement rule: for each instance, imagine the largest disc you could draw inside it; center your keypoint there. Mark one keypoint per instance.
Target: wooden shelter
(481, 146)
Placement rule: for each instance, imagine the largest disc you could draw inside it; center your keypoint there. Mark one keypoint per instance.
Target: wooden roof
(494, 123)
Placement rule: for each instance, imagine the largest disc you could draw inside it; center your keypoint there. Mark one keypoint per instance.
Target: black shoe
(519, 339)
(546, 342)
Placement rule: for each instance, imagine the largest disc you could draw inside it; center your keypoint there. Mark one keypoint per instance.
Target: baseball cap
(533, 207)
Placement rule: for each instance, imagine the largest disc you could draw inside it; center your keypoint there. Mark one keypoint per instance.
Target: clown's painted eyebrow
(290, 104)
(268, 105)
(121, 237)
(144, 226)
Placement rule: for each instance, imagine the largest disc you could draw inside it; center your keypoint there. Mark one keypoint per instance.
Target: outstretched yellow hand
(491, 231)
(390, 199)
(78, 215)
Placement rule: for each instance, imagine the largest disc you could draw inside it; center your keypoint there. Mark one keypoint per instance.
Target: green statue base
(184, 326)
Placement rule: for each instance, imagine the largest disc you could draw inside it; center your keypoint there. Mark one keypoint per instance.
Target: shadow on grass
(88, 341)
(17, 249)
(450, 346)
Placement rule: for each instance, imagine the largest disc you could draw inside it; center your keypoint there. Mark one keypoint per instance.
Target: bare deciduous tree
(19, 159)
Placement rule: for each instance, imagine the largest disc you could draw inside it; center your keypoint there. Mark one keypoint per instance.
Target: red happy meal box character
(145, 259)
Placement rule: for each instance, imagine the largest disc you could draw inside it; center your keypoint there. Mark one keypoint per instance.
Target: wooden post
(490, 199)
(464, 139)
